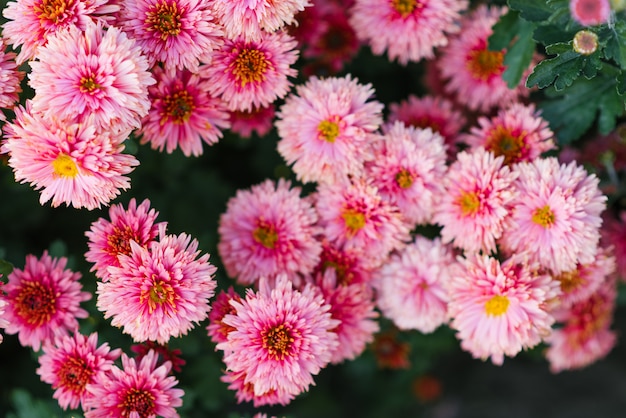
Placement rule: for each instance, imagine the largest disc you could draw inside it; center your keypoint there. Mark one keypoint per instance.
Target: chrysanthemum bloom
(165, 354)
(71, 363)
(183, 113)
(217, 329)
(411, 285)
(158, 292)
(244, 391)
(350, 266)
(257, 119)
(408, 167)
(92, 72)
(585, 335)
(408, 30)
(476, 201)
(282, 337)
(326, 127)
(251, 20)
(613, 235)
(556, 215)
(248, 74)
(518, 133)
(353, 306)
(31, 22)
(72, 163)
(136, 390)
(108, 239)
(500, 309)
(180, 34)
(10, 79)
(590, 12)
(473, 72)
(268, 230)
(3, 305)
(434, 112)
(577, 285)
(354, 216)
(43, 300)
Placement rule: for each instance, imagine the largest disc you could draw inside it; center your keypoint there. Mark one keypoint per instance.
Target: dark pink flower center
(75, 374)
(138, 401)
(118, 242)
(35, 303)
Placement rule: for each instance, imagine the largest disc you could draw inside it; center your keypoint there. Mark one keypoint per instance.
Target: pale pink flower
(140, 389)
(183, 114)
(411, 285)
(94, 72)
(500, 309)
(268, 230)
(584, 335)
(473, 73)
(221, 306)
(43, 300)
(71, 363)
(31, 22)
(245, 391)
(282, 337)
(248, 74)
(355, 217)
(72, 163)
(519, 133)
(477, 199)
(407, 30)
(180, 34)
(253, 19)
(590, 12)
(108, 239)
(325, 128)
(158, 292)
(10, 79)
(407, 168)
(258, 119)
(556, 215)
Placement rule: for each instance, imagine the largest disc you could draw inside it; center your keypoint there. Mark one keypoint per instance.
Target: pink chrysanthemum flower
(408, 167)
(10, 79)
(257, 119)
(353, 306)
(500, 309)
(407, 30)
(253, 19)
(73, 362)
(326, 127)
(613, 235)
(183, 113)
(245, 391)
(108, 239)
(31, 22)
(434, 112)
(137, 390)
(355, 217)
(473, 72)
(268, 230)
(158, 292)
(585, 335)
(43, 300)
(577, 285)
(590, 12)
(518, 133)
(411, 285)
(165, 354)
(71, 163)
(477, 199)
(217, 330)
(180, 34)
(282, 337)
(556, 215)
(350, 266)
(3, 305)
(94, 72)
(248, 74)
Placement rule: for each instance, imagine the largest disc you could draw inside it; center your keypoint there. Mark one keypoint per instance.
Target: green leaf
(621, 83)
(532, 10)
(550, 34)
(615, 48)
(520, 54)
(611, 107)
(561, 70)
(58, 248)
(5, 268)
(504, 31)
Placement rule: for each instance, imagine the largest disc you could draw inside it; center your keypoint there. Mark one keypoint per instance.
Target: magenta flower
(258, 119)
(137, 390)
(326, 127)
(43, 301)
(268, 230)
(350, 266)
(108, 239)
(407, 30)
(10, 79)
(217, 330)
(183, 114)
(590, 12)
(160, 291)
(245, 392)
(282, 337)
(73, 362)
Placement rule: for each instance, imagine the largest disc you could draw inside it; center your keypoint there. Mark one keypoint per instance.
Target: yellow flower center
(75, 374)
(53, 10)
(328, 130)
(139, 401)
(177, 107)
(277, 341)
(497, 305)
(469, 203)
(501, 141)
(250, 66)
(88, 84)
(404, 178)
(483, 64)
(266, 235)
(159, 293)
(64, 166)
(354, 220)
(570, 281)
(35, 303)
(164, 18)
(405, 7)
(543, 216)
